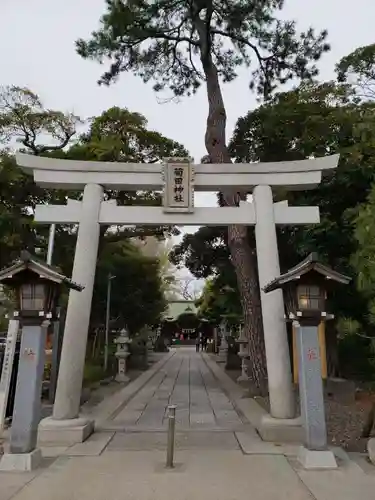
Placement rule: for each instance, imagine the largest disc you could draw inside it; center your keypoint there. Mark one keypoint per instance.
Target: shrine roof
(178, 308)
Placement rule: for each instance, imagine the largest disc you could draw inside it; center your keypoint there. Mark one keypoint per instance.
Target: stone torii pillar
(69, 385)
(281, 395)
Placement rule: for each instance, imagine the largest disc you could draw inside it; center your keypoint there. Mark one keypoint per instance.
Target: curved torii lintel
(74, 174)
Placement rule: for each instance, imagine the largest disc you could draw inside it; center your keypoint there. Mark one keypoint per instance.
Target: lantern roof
(310, 264)
(29, 262)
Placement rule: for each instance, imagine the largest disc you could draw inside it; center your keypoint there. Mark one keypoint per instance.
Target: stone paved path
(219, 456)
(186, 382)
(205, 416)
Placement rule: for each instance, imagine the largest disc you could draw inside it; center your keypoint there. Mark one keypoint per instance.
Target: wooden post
(322, 348)
(295, 355)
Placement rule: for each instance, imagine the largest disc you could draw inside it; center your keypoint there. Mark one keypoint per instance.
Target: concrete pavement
(186, 381)
(219, 455)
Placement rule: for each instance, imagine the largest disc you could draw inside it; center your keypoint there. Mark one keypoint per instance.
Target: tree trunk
(242, 256)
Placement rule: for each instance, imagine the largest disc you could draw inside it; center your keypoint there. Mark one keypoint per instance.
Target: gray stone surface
(186, 381)
(21, 462)
(53, 451)
(251, 444)
(12, 483)
(142, 441)
(141, 475)
(269, 428)
(317, 459)
(311, 388)
(363, 462)
(27, 406)
(213, 463)
(107, 409)
(64, 432)
(371, 450)
(348, 482)
(280, 430)
(93, 446)
(69, 384)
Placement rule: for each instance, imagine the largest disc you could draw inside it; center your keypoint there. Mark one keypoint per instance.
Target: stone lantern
(37, 287)
(223, 349)
(305, 289)
(122, 353)
(243, 354)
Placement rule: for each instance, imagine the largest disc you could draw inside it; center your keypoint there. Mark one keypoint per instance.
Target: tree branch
(246, 42)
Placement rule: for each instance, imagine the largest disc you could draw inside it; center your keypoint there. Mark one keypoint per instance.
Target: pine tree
(180, 44)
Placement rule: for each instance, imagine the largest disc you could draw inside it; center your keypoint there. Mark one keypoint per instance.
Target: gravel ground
(344, 421)
(345, 424)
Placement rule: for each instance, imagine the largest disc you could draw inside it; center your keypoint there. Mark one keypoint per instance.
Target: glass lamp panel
(32, 297)
(310, 297)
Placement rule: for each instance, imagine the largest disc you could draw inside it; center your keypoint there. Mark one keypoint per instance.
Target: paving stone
(12, 483)
(136, 406)
(93, 446)
(128, 415)
(251, 444)
(53, 451)
(229, 416)
(141, 441)
(142, 476)
(202, 419)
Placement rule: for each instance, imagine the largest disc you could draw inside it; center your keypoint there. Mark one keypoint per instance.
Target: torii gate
(178, 178)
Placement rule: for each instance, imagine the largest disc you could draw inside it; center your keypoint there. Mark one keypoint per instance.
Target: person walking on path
(204, 343)
(197, 344)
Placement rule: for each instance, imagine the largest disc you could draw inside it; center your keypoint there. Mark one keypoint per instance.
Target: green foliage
(23, 118)
(179, 45)
(18, 197)
(312, 120)
(358, 68)
(167, 272)
(121, 135)
(315, 120)
(356, 358)
(364, 258)
(93, 372)
(116, 135)
(136, 297)
(167, 41)
(347, 326)
(220, 300)
(206, 255)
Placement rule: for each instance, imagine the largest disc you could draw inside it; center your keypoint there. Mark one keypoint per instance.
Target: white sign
(178, 185)
(6, 373)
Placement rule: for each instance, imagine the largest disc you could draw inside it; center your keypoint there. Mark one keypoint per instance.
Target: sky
(37, 51)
